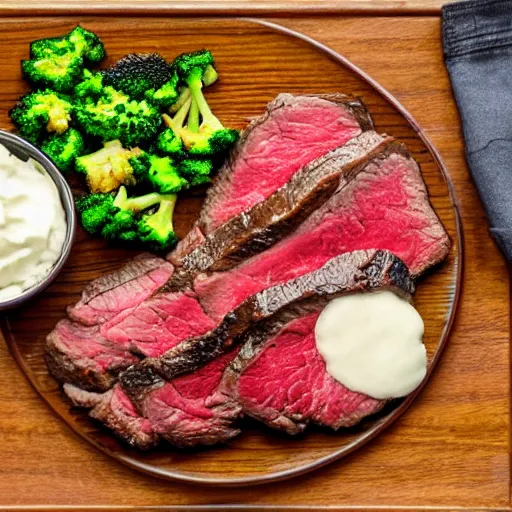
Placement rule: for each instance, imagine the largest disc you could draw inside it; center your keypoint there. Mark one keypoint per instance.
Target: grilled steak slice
(192, 409)
(384, 206)
(106, 296)
(80, 355)
(270, 220)
(356, 271)
(114, 409)
(294, 131)
(282, 381)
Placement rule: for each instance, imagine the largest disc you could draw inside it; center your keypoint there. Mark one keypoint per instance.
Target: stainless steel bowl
(25, 150)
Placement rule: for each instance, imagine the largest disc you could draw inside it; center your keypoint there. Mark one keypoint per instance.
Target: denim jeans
(477, 41)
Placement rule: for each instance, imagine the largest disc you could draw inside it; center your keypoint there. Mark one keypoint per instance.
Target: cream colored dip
(32, 224)
(372, 343)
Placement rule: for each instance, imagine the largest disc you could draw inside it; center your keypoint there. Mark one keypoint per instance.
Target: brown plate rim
(381, 424)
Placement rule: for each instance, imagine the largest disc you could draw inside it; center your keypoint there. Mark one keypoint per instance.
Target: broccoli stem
(182, 99)
(136, 204)
(193, 117)
(165, 212)
(209, 119)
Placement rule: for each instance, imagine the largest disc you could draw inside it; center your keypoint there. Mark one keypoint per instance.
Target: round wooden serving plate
(256, 61)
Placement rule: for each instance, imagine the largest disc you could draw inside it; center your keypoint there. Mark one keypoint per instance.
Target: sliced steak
(270, 220)
(80, 355)
(114, 409)
(294, 131)
(356, 271)
(108, 295)
(186, 411)
(385, 206)
(282, 381)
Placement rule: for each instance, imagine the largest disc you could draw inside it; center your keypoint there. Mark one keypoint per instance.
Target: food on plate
(58, 63)
(311, 204)
(361, 214)
(64, 148)
(32, 224)
(108, 168)
(373, 344)
(119, 217)
(40, 113)
(108, 125)
(191, 410)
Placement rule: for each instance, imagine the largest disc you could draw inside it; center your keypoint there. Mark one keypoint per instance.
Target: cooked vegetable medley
(138, 132)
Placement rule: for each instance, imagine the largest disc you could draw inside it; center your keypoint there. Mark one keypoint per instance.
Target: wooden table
(199, 7)
(451, 449)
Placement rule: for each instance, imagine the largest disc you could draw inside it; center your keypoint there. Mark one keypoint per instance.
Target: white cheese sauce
(372, 343)
(32, 224)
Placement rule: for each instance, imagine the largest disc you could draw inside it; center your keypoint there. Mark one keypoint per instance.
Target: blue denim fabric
(477, 41)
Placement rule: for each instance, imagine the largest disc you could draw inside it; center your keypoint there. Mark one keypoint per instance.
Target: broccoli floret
(137, 73)
(116, 218)
(108, 168)
(91, 85)
(64, 148)
(114, 116)
(160, 172)
(166, 95)
(197, 172)
(79, 42)
(57, 63)
(210, 137)
(169, 144)
(57, 72)
(87, 45)
(156, 231)
(39, 112)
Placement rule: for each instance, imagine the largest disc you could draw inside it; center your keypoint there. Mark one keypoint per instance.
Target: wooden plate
(256, 61)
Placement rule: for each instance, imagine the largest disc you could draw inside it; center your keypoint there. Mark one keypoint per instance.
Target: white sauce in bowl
(372, 343)
(32, 224)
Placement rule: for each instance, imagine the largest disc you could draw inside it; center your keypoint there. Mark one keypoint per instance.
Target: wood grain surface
(450, 450)
(208, 7)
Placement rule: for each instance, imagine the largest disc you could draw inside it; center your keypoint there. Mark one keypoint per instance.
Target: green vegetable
(64, 148)
(41, 112)
(114, 116)
(91, 85)
(197, 172)
(79, 42)
(156, 231)
(57, 63)
(209, 137)
(137, 73)
(160, 172)
(169, 144)
(116, 218)
(166, 95)
(108, 168)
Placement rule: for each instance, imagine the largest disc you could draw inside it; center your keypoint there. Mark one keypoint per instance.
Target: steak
(114, 409)
(270, 220)
(384, 206)
(350, 272)
(80, 355)
(282, 381)
(106, 296)
(294, 131)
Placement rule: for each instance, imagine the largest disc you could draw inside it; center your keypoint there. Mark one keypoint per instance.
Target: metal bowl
(25, 150)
